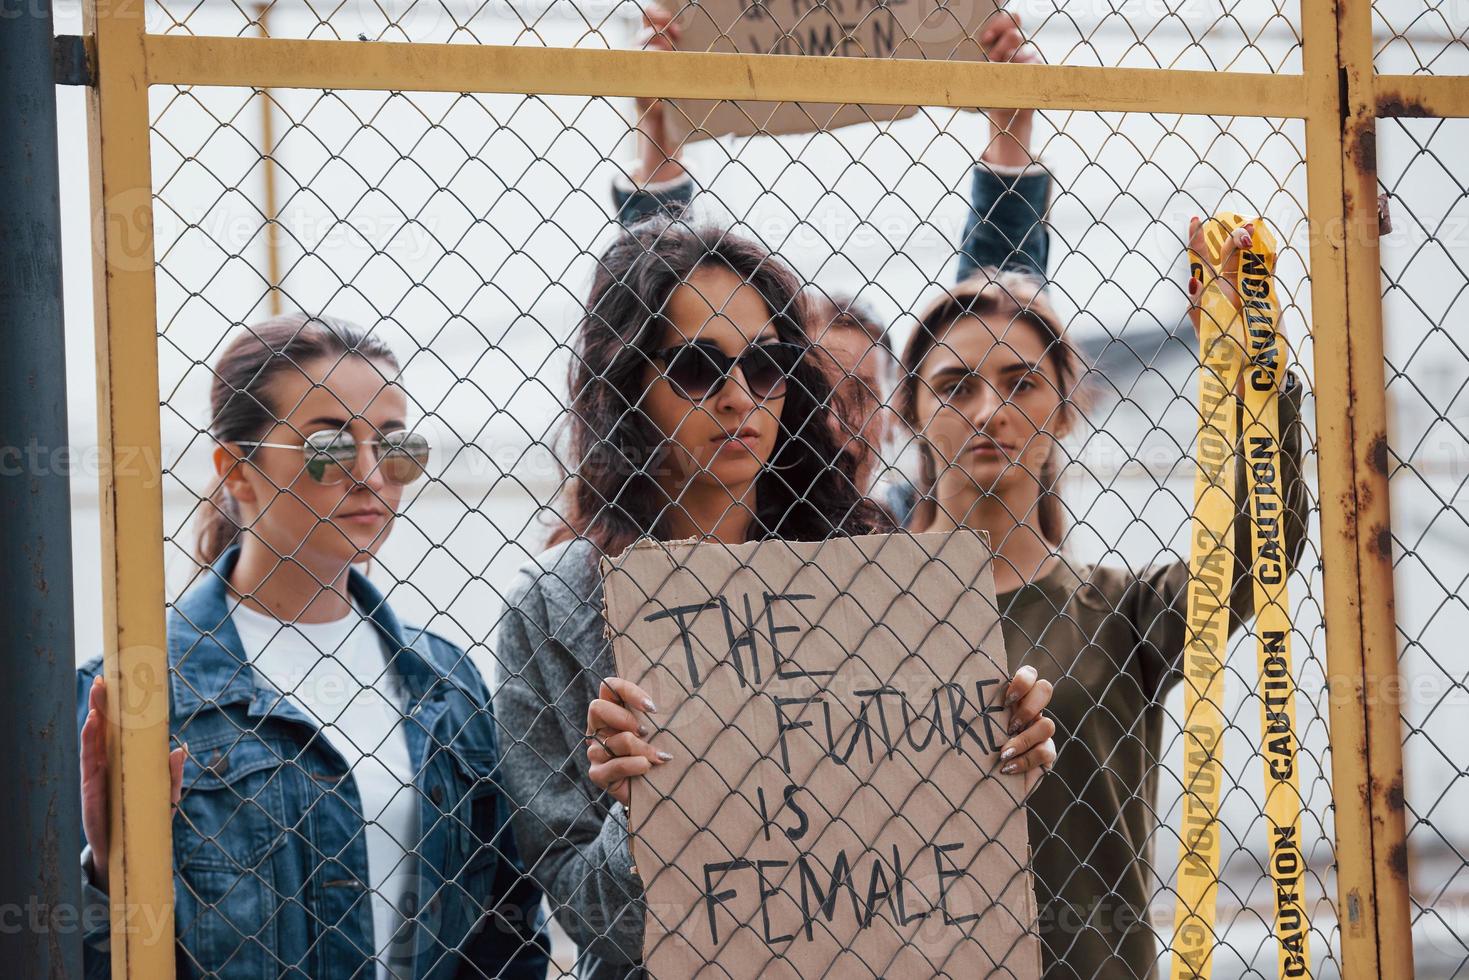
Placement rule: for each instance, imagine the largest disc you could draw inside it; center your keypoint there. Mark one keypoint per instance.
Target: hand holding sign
(827, 757)
(617, 750)
(660, 145)
(616, 731)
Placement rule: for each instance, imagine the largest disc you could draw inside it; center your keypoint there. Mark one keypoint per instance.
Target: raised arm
(659, 183)
(1009, 189)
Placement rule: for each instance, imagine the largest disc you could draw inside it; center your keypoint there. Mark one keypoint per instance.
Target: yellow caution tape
(1234, 341)
(1211, 567)
(1260, 443)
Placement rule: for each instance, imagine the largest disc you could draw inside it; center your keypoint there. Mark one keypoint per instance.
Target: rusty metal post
(1361, 639)
(40, 888)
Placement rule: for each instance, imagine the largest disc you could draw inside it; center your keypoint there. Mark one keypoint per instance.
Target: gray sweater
(553, 652)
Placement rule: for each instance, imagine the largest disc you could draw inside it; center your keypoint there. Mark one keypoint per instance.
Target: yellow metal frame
(135, 659)
(1337, 95)
(1444, 97)
(1361, 645)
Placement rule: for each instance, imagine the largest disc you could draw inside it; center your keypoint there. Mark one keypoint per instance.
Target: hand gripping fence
(1240, 346)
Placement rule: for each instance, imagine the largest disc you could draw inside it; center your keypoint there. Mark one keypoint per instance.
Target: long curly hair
(807, 489)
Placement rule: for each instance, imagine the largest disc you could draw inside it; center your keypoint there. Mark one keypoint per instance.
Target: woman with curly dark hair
(695, 412)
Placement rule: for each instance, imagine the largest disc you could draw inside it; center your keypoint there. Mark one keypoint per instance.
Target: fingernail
(643, 730)
(649, 706)
(1007, 755)
(1011, 698)
(1015, 727)
(1010, 769)
(665, 757)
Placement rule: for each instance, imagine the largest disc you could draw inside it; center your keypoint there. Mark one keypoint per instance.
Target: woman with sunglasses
(696, 412)
(1004, 228)
(336, 814)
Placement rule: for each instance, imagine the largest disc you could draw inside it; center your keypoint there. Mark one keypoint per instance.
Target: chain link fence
(440, 276)
(1423, 255)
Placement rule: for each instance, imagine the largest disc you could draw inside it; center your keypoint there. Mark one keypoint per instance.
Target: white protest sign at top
(933, 30)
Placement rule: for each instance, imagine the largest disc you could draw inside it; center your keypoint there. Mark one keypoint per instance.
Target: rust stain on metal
(1402, 107)
(1361, 143)
(1377, 454)
(1397, 860)
(1394, 794)
(1382, 542)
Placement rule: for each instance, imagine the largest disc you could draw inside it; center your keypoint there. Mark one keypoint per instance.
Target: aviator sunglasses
(699, 369)
(401, 456)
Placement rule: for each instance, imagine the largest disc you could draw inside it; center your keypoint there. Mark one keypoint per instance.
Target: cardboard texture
(942, 30)
(834, 806)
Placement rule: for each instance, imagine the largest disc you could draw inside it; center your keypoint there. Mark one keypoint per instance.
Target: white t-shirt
(338, 675)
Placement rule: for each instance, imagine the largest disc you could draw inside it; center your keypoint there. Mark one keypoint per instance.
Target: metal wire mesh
(1257, 35)
(463, 230)
(1423, 261)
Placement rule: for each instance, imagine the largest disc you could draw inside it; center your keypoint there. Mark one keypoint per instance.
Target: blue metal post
(40, 818)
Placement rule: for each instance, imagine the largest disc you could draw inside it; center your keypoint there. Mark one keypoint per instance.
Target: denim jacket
(270, 860)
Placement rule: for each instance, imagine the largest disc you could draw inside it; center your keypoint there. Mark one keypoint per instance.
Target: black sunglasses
(700, 369)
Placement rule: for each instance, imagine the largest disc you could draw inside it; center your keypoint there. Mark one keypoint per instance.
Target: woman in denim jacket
(338, 809)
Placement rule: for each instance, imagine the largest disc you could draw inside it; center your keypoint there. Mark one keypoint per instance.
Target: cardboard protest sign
(936, 30)
(834, 806)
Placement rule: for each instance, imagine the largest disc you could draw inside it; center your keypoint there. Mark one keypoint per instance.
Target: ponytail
(219, 526)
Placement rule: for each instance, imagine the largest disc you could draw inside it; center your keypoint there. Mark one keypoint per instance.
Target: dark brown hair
(807, 490)
(829, 311)
(241, 406)
(1017, 296)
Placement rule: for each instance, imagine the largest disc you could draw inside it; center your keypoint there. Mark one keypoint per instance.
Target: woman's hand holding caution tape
(1236, 312)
